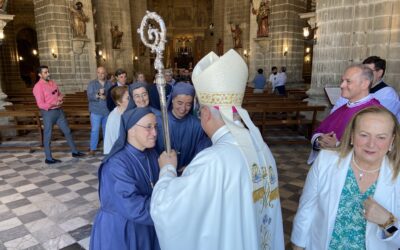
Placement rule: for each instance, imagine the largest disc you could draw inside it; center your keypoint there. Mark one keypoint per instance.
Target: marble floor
(52, 207)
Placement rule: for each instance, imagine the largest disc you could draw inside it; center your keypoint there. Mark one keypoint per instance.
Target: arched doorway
(28, 56)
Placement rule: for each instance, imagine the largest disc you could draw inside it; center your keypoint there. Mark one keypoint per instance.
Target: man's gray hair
(366, 72)
(214, 112)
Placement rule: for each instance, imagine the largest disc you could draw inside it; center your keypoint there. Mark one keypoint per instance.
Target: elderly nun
(126, 180)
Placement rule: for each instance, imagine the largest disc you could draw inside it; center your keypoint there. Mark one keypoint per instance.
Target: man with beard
(49, 100)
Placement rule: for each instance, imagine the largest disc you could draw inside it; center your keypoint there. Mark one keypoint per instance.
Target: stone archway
(28, 58)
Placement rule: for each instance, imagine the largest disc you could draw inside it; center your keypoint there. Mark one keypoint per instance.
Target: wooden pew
(281, 115)
(20, 125)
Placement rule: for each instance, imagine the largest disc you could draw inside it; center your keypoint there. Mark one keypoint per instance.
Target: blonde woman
(351, 198)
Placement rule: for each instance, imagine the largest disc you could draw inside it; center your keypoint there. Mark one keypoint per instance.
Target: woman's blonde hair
(393, 154)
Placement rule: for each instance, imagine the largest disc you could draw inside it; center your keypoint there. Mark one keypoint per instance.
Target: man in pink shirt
(49, 100)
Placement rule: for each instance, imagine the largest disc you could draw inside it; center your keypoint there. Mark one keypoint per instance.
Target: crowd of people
(218, 187)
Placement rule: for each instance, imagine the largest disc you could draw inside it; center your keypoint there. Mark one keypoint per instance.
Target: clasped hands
(328, 140)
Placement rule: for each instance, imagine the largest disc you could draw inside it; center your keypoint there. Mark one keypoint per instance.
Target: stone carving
(3, 5)
(262, 17)
(116, 36)
(236, 36)
(78, 20)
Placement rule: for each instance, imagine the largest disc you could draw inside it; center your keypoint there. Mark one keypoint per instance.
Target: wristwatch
(391, 229)
(389, 226)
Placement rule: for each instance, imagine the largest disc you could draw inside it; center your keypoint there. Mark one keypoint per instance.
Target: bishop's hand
(168, 159)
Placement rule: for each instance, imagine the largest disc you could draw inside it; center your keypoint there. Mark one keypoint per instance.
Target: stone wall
(110, 13)
(350, 31)
(73, 63)
(285, 32)
(142, 64)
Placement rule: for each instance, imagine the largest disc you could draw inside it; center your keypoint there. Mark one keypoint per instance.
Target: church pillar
(141, 54)
(108, 15)
(347, 33)
(4, 18)
(71, 60)
(11, 79)
(284, 45)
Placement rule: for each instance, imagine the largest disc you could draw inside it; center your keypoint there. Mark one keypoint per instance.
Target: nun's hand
(168, 159)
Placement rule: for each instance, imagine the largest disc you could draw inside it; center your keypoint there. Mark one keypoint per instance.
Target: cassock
(125, 187)
(187, 137)
(337, 121)
(211, 205)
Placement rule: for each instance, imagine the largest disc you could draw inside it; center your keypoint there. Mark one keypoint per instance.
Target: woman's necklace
(362, 171)
(149, 175)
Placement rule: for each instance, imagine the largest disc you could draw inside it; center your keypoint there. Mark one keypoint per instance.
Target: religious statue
(262, 17)
(78, 20)
(116, 36)
(220, 47)
(3, 5)
(236, 36)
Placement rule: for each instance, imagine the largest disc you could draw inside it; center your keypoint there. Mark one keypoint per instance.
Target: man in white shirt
(281, 81)
(273, 78)
(227, 197)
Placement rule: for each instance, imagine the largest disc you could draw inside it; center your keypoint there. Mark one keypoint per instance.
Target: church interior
(43, 207)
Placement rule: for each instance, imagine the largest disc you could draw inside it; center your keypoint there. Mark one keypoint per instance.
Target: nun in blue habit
(126, 180)
(143, 100)
(187, 136)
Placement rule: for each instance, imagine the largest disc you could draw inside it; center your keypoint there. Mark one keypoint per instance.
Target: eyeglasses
(149, 127)
(143, 95)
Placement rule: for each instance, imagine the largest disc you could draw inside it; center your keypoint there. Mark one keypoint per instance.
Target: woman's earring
(391, 147)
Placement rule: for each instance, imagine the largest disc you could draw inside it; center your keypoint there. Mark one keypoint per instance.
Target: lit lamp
(100, 55)
(308, 50)
(246, 56)
(1, 35)
(34, 52)
(285, 51)
(306, 32)
(53, 53)
(211, 29)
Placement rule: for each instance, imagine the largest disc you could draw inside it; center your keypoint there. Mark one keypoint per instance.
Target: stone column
(108, 14)
(4, 18)
(285, 33)
(219, 24)
(142, 64)
(71, 60)
(350, 31)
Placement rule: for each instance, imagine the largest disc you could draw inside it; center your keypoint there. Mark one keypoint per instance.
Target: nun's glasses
(149, 127)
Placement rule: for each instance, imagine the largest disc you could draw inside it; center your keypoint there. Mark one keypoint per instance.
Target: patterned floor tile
(24, 242)
(52, 207)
